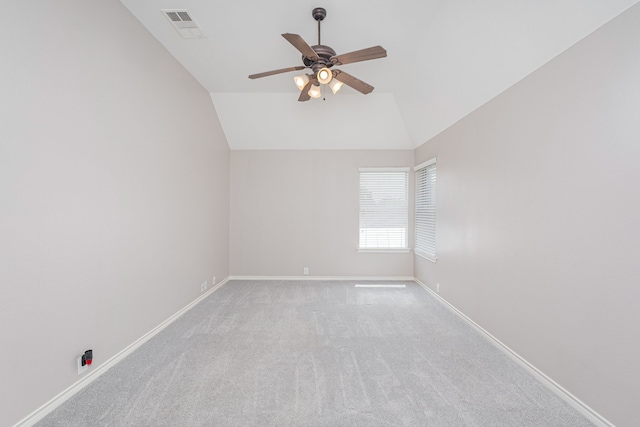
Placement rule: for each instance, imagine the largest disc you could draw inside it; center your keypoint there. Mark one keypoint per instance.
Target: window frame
(422, 218)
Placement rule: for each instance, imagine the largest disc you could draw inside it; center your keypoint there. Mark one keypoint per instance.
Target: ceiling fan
(320, 59)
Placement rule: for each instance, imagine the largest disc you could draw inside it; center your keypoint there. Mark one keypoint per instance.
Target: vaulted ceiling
(445, 59)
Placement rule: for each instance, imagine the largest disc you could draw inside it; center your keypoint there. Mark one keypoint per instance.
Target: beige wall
(295, 209)
(538, 233)
(114, 189)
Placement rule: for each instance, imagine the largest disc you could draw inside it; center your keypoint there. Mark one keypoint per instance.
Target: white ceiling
(445, 59)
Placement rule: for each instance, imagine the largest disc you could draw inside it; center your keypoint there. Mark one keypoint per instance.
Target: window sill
(384, 250)
(427, 257)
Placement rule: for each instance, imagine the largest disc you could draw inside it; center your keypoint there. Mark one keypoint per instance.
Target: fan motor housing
(324, 57)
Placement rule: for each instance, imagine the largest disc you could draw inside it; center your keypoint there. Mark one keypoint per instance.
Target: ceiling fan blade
(355, 83)
(271, 73)
(374, 52)
(304, 93)
(301, 45)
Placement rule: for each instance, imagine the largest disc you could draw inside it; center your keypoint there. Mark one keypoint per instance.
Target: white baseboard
(326, 278)
(556, 388)
(65, 395)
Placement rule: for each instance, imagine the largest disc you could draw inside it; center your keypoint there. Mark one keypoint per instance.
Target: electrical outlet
(206, 285)
(306, 270)
(437, 287)
(213, 281)
(202, 287)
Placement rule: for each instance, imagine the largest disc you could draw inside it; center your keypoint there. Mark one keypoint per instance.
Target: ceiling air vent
(183, 23)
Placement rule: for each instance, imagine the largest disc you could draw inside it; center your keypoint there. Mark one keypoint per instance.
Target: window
(384, 208)
(425, 219)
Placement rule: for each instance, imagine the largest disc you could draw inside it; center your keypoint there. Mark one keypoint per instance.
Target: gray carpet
(314, 353)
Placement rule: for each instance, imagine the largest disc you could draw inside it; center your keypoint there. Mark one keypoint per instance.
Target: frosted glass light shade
(301, 81)
(324, 75)
(314, 91)
(335, 86)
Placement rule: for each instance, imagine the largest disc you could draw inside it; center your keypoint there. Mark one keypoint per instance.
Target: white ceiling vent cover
(183, 23)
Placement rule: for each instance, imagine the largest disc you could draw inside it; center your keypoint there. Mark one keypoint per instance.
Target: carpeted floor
(293, 353)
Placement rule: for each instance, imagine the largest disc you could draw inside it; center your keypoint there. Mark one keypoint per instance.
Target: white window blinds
(384, 208)
(425, 218)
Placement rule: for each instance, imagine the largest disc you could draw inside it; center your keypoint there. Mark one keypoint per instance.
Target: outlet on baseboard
(213, 281)
(306, 270)
(438, 288)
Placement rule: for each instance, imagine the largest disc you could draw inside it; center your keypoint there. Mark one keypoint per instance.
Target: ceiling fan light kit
(320, 58)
